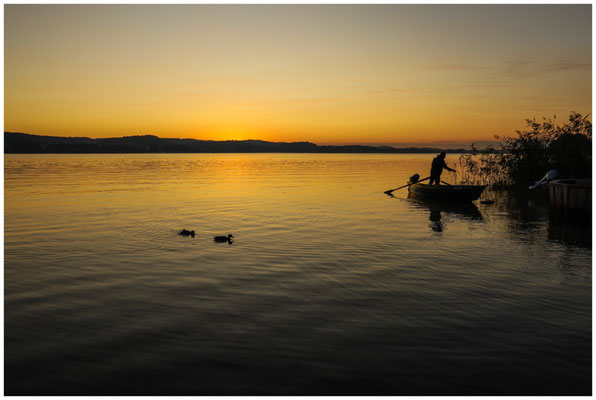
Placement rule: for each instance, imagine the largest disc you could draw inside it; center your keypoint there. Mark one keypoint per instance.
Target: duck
(229, 238)
(184, 232)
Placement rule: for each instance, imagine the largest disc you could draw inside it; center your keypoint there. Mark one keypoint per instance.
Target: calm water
(331, 286)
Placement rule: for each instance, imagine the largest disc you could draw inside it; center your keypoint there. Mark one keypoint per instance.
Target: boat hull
(446, 192)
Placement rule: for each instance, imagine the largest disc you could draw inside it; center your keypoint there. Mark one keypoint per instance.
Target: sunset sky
(388, 74)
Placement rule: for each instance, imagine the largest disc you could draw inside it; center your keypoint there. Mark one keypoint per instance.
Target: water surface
(331, 286)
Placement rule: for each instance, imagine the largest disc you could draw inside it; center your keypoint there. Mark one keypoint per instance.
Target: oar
(401, 187)
(446, 183)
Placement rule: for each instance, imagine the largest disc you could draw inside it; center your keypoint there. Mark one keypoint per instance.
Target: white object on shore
(550, 175)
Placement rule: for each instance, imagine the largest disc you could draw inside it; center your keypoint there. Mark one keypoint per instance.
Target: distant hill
(16, 142)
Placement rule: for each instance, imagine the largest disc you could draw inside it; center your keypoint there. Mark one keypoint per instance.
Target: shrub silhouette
(526, 157)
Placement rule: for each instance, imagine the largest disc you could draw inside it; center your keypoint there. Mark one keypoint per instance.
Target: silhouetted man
(437, 168)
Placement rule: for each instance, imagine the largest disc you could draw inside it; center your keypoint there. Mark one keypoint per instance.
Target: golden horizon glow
(330, 74)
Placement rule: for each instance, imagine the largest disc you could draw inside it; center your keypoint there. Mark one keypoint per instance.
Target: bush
(526, 157)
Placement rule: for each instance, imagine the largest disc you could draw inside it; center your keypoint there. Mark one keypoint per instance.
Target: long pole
(409, 184)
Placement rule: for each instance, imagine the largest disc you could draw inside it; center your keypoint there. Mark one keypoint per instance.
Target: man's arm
(446, 167)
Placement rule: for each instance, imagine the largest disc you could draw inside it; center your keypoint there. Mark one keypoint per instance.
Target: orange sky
(327, 74)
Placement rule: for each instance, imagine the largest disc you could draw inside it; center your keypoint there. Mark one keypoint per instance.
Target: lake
(330, 287)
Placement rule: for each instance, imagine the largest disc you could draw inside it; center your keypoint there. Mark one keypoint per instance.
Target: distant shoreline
(24, 143)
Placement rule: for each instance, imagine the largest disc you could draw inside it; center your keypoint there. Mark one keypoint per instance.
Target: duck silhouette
(221, 239)
(184, 232)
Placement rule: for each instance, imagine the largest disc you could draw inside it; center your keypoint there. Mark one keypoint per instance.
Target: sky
(328, 74)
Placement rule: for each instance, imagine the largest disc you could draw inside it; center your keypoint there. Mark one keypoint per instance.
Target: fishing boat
(445, 192)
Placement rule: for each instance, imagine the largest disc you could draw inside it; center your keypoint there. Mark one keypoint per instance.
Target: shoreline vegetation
(17, 142)
(526, 157)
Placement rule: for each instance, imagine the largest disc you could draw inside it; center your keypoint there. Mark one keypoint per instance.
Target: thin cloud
(457, 67)
(385, 91)
(300, 100)
(526, 68)
(567, 66)
(518, 68)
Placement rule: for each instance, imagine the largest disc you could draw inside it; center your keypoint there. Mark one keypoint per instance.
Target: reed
(526, 157)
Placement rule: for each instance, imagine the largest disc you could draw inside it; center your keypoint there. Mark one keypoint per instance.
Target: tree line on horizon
(17, 142)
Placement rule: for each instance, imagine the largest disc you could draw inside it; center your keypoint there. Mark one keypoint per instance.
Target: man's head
(443, 154)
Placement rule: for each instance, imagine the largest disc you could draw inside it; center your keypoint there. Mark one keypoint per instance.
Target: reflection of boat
(462, 209)
(446, 192)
